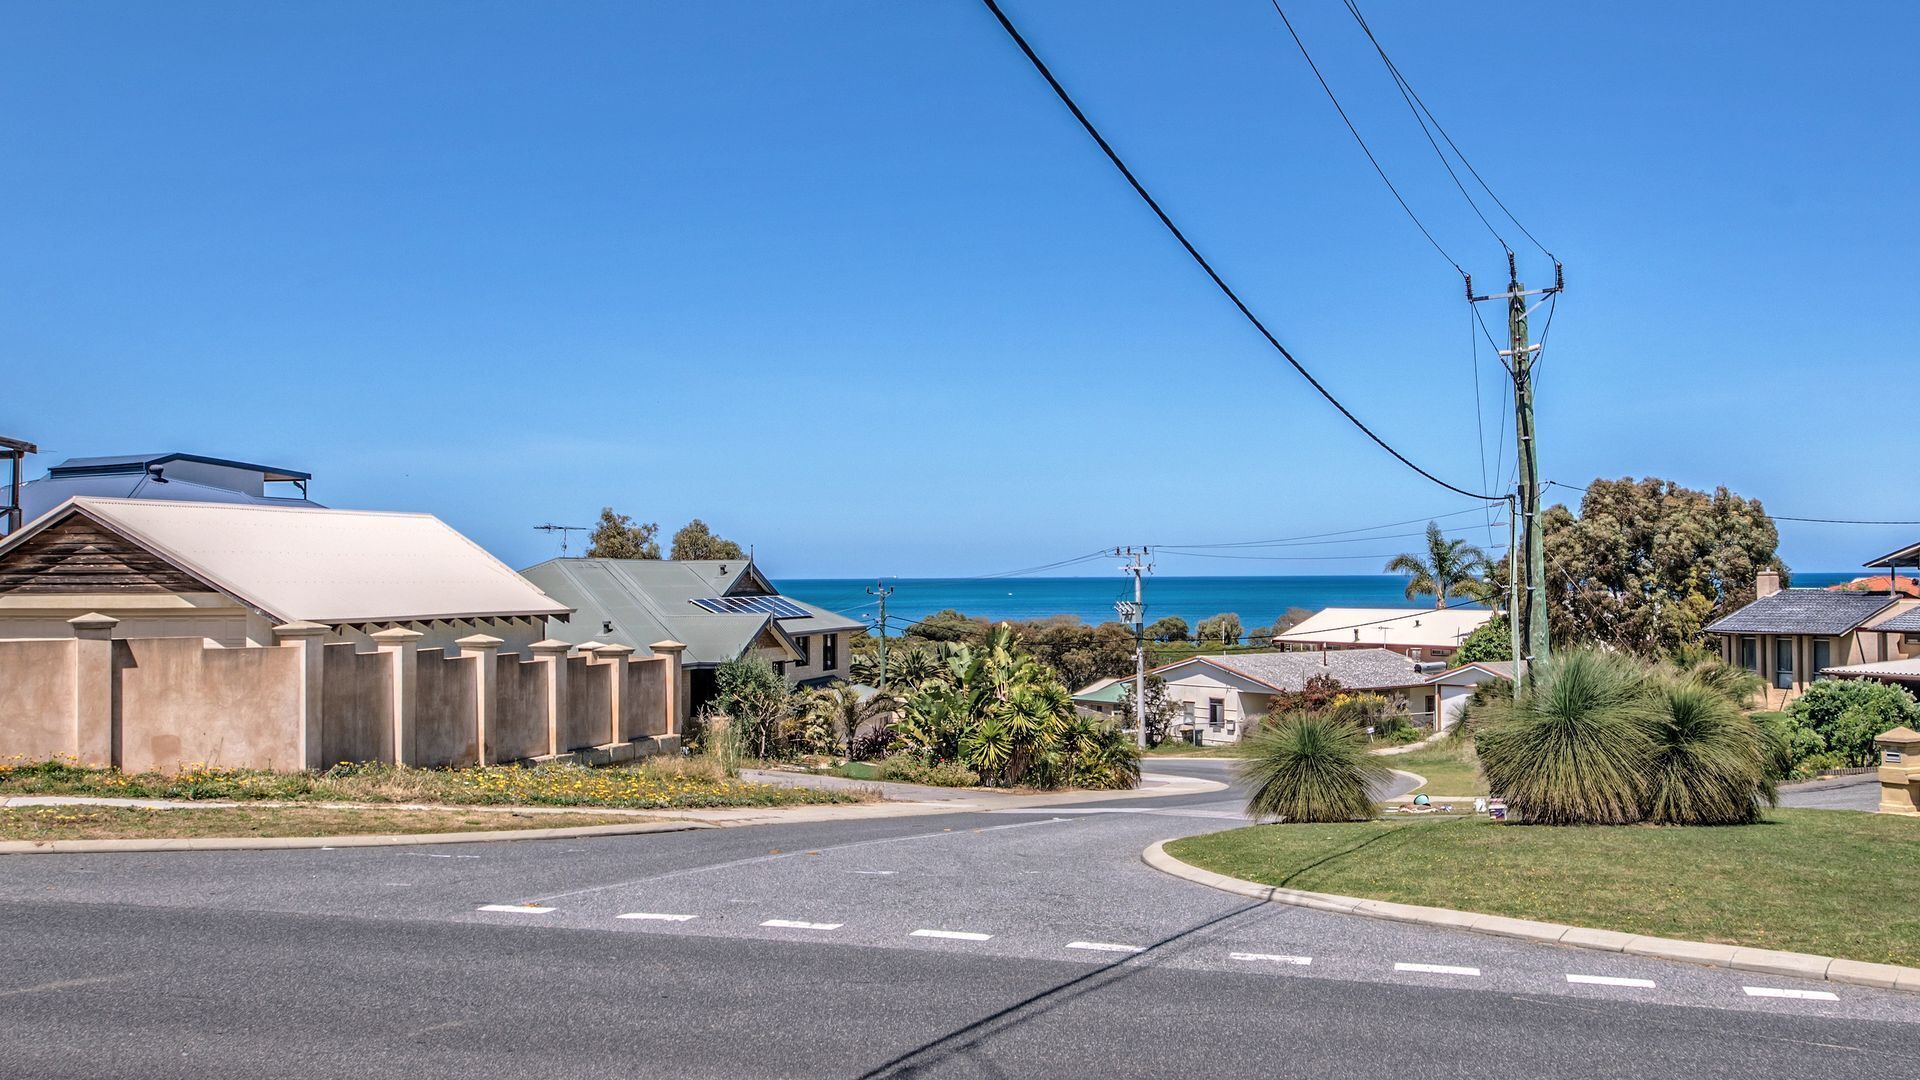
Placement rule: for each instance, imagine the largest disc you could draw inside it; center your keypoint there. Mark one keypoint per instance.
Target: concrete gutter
(1738, 958)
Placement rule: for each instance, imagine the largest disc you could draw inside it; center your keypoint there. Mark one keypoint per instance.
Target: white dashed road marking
(956, 935)
(875, 873)
(1437, 969)
(1802, 995)
(655, 916)
(1610, 980)
(1271, 958)
(1104, 946)
(791, 924)
(517, 909)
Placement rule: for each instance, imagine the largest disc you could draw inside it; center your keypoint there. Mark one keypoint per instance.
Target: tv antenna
(563, 530)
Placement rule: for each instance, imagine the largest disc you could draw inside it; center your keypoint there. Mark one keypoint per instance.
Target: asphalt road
(982, 944)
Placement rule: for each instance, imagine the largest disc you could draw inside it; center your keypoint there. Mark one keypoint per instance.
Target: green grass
(655, 783)
(1172, 748)
(1450, 769)
(1828, 882)
(135, 823)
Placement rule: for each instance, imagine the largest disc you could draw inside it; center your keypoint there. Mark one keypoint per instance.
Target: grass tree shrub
(1311, 768)
(1709, 763)
(1571, 748)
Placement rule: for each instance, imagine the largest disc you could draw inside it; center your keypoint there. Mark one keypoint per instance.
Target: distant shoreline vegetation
(1259, 600)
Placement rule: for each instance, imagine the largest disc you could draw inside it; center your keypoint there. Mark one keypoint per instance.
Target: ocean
(1257, 600)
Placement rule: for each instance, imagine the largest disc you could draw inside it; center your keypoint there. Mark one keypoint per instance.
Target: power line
(1275, 558)
(1777, 517)
(1336, 532)
(1364, 148)
(1408, 89)
(1219, 282)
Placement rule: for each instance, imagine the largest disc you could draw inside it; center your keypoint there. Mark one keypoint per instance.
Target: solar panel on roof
(777, 606)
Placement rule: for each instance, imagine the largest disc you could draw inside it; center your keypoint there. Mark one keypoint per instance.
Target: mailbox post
(1899, 771)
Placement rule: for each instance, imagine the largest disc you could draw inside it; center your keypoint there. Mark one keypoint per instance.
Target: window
(1186, 713)
(1216, 713)
(1750, 653)
(1822, 656)
(829, 652)
(804, 646)
(1783, 663)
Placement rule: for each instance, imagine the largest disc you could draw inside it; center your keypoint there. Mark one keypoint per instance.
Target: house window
(829, 652)
(1750, 653)
(1822, 656)
(1783, 663)
(1216, 713)
(1186, 713)
(1413, 655)
(804, 646)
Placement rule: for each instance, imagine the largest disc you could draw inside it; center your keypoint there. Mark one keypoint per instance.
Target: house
(721, 609)
(1103, 696)
(171, 477)
(1789, 637)
(1420, 634)
(1221, 698)
(1455, 686)
(231, 572)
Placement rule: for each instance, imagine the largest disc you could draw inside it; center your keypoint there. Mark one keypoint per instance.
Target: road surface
(995, 944)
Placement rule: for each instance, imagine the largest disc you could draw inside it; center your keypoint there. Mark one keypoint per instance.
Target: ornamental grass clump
(1599, 738)
(1572, 747)
(1709, 760)
(1309, 768)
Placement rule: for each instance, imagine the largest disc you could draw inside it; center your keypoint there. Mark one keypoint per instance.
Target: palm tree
(1450, 568)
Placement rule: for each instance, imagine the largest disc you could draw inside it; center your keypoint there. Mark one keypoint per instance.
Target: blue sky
(846, 281)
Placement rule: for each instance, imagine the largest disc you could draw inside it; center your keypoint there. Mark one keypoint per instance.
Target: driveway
(989, 943)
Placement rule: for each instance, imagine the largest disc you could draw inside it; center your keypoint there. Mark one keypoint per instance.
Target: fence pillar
(553, 654)
(400, 646)
(676, 693)
(615, 657)
(484, 651)
(1899, 773)
(93, 741)
(307, 637)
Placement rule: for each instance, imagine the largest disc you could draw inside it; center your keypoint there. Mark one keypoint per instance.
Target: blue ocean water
(1257, 600)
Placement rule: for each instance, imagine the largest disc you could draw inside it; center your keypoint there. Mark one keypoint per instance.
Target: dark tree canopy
(696, 541)
(1649, 563)
(1491, 640)
(617, 537)
(1171, 628)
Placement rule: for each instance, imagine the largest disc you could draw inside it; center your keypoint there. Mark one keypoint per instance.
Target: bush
(1307, 768)
(1571, 748)
(1841, 718)
(1709, 764)
(909, 769)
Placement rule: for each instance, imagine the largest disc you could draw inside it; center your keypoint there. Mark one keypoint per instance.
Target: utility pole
(882, 591)
(1136, 614)
(1527, 594)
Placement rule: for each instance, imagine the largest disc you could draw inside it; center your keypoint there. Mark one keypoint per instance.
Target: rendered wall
(646, 702)
(37, 687)
(585, 720)
(444, 701)
(357, 701)
(178, 703)
(520, 724)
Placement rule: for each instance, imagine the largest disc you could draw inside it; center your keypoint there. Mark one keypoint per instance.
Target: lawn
(670, 783)
(1829, 882)
(1171, 748)
(1450, 769)
(134, 823)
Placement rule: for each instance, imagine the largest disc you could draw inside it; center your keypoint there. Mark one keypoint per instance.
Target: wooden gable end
(79, 555)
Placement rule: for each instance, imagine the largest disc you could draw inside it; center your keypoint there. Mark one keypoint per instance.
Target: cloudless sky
(846, 281)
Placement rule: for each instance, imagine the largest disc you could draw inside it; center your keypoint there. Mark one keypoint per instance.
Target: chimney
(1766, 583)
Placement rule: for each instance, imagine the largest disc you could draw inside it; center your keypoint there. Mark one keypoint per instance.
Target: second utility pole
(882, 591)
(1138, 567)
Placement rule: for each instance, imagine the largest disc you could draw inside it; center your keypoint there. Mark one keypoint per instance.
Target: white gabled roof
(316, 565)
(1897, 670)
(1438, 627)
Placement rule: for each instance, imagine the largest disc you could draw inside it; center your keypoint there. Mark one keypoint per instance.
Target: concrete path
(1021, 940)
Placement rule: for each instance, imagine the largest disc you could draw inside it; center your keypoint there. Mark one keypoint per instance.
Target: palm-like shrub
(1308, 768)
(1571, 748)
(1709, 759)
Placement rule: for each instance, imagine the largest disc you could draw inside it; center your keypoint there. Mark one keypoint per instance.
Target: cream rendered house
(231, 572)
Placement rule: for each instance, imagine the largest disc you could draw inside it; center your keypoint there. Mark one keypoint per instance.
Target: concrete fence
(161, 703)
